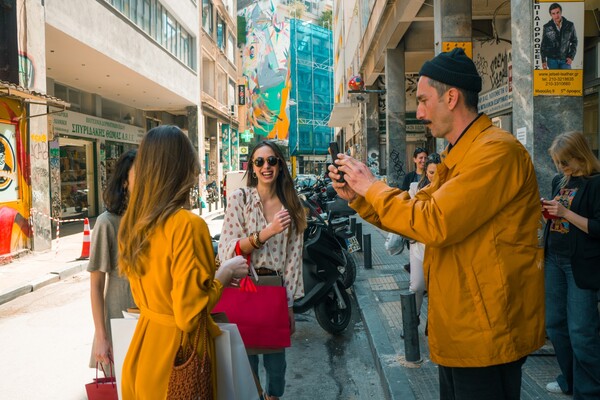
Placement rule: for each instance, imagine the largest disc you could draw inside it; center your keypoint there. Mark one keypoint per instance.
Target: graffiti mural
(15, 230)
(266, 69)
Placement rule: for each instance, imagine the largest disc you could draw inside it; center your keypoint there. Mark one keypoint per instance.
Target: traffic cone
(85, 249)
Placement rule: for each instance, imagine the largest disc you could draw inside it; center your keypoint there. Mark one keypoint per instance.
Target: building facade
(121, 67)
(219, 82)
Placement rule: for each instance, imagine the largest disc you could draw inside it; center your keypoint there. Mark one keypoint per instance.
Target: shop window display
(74, 180)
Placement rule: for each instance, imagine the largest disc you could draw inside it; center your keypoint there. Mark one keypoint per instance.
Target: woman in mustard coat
(166, 252)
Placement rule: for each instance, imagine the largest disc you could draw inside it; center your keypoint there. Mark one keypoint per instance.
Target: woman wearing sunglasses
(572, 266)
(268, 221)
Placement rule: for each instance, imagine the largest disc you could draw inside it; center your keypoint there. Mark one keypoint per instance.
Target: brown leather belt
(262, 271)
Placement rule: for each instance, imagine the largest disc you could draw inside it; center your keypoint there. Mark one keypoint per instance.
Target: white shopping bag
(234, 376)
(122, 332)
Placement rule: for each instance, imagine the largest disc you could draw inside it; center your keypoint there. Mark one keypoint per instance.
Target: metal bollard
(359, 235)
(410, 323)
(367, 251)
(353, 225)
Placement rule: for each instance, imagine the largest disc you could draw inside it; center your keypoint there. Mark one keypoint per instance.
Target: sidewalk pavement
(35, 270)
(378, 291)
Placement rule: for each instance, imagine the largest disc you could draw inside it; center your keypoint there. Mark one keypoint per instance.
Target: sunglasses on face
(271, 160)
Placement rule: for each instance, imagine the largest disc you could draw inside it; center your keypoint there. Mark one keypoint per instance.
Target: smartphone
(334, 150)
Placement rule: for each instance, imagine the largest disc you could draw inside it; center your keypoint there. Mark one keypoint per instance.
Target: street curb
(15, 292)
(42, 281)
(393, 379)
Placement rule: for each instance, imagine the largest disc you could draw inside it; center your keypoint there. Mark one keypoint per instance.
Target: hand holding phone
(334, 150)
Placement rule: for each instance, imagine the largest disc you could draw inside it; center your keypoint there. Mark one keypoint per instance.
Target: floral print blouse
(281, 253)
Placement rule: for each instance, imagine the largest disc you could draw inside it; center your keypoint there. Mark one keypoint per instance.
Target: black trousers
(497, 382)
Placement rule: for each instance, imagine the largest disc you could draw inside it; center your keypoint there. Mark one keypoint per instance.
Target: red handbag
(102, 388)
(261, 314)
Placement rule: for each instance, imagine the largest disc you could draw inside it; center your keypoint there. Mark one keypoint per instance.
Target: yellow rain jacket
(483, 267)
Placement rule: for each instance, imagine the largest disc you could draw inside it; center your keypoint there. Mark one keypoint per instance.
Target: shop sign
(72, 123)
(495, 100)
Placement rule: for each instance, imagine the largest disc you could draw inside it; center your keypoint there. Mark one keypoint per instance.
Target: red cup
(547, 214)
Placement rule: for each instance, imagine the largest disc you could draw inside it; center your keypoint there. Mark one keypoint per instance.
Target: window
(207, 16)
(231, 47)
(155, 20)
(221, 28)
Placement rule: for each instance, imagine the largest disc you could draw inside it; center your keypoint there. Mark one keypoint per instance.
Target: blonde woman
(572, 266)
(166, 252)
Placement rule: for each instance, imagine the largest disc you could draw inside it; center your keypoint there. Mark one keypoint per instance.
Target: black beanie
(453, 68)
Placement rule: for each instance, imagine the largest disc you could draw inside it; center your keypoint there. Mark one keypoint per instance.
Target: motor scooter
(324, 290)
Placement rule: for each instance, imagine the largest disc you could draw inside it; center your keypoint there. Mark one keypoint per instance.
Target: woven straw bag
(191, 376)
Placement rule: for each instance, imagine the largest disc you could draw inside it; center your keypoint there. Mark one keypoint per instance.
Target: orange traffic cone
(85, 249)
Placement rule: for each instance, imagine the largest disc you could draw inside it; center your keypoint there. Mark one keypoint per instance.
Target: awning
(8, 89)
(343, 114)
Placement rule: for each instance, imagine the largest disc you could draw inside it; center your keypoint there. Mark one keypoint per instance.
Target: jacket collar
(480, 124)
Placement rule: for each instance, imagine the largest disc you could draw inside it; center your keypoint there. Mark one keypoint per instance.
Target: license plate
(353, 245)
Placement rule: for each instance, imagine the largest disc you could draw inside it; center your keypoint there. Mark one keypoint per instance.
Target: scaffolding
(311, 100)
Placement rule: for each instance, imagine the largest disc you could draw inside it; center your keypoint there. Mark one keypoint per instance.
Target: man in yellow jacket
(479, 219)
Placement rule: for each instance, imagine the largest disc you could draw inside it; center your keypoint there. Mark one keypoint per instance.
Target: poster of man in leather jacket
(559, 41)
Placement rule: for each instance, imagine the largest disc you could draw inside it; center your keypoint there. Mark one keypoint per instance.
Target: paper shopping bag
(261, 316)
(102, 388)
(234, 375)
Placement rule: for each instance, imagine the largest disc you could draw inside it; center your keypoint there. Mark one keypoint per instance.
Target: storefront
(88, 150)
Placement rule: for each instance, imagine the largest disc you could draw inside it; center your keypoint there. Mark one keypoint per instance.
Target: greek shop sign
(495, 100)
(72, 123)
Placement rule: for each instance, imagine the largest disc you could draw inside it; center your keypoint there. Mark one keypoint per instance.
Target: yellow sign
(466, 46)
(558, 82)
(243, 149)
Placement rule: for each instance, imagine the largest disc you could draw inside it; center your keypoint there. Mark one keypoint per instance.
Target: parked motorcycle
(324, 290)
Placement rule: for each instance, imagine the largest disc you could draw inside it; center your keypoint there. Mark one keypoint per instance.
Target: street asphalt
(377, 290)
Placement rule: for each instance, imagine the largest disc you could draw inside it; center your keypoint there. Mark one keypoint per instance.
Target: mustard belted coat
(178, 282)
(483, 268)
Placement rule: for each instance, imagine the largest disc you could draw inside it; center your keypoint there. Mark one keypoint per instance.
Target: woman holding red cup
(572, 272)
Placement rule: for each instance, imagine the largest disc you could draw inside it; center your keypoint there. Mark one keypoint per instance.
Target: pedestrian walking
(479, 220)
(572, 261)
(166, 252)
(110, 293)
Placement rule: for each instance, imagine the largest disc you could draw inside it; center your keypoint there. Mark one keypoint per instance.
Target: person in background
(479, 219)
(572, 266)
(165, 251)
(268, 221)
(419, 157)
(110, 293)
(417, 249)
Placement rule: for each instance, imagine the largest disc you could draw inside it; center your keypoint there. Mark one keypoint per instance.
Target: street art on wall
(8, 163)
(267, 70)
(14, 212)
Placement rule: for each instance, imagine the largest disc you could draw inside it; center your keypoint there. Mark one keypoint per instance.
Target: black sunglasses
(271, 160)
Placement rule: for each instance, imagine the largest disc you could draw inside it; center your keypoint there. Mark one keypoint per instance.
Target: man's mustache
(424, 121)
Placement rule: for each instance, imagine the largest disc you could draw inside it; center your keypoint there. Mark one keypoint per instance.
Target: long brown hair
(573, 145)
(166, 168)
(284, 186)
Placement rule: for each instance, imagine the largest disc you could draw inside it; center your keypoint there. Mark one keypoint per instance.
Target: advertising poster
(558, 48)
